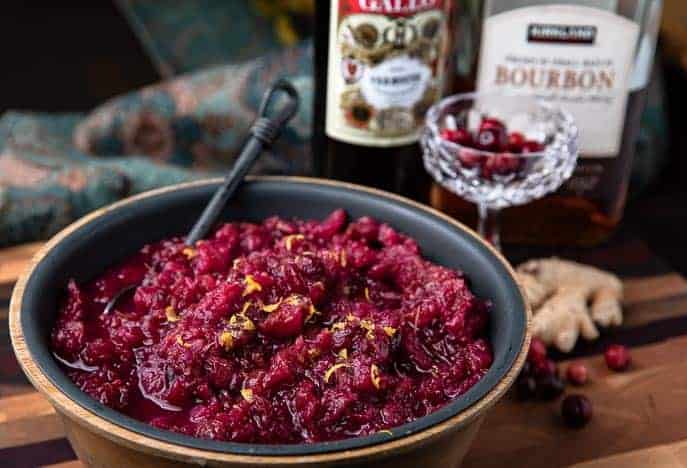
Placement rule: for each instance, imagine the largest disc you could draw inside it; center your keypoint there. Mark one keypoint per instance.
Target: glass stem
(489, 227)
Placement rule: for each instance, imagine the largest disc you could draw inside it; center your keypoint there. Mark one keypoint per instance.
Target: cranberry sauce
(287, 331)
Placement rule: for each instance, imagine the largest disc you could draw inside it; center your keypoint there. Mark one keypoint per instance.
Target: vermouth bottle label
(577, 57)
(386, 68)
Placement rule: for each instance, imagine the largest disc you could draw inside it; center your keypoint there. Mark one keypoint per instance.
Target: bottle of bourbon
(590, 57)
(379, 65)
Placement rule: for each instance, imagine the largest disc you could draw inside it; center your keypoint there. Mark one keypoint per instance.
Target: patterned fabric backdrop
(217, 57)
(186, 36)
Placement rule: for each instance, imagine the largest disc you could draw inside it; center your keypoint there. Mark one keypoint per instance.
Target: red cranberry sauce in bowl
(287, 331)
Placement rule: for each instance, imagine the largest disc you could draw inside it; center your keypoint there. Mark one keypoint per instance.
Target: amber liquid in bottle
(386, 164)
(586, 210)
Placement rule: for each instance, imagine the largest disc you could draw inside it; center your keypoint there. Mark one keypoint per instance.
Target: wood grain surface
(639, 415)
(13, 261)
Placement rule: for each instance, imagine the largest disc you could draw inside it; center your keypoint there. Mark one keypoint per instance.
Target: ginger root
(569, 299)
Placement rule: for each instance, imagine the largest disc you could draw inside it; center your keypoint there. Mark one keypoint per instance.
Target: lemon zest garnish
(272, 307)
(244, 309)
(391, 331)
(288, 240)
(369, 326)
(338, 326)
(226, 340)
(293, 299)
(374, 375)
(189, 252)
(342, 258)
(351, 317)
(334, 368)
(343, 354)
(247, 394)
(171, 314)
(385, 431)
(251, 285)
(241, 321)
(312, 311)
(180, 342)
(367, 294)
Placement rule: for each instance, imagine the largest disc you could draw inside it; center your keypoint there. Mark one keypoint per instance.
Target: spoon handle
(263, 132)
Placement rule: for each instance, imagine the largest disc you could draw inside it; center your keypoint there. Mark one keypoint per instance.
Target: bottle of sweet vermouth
(591, 57)
(379, 65)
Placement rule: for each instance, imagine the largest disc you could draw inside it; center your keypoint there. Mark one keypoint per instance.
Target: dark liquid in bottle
(397, 169)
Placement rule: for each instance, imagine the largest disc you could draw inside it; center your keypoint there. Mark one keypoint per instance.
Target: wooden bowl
(106, 438)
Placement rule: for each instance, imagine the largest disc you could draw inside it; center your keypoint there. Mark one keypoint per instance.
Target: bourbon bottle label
(386, 68)
(576, 57)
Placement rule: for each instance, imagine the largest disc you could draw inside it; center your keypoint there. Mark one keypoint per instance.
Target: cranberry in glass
(491, 136)
(492, 122)
(458, 135)
(516, 141)
(576, 410)
(617, 357)
(508, 169)
(577, 374)
(531, 146)
(469, 158)
(503, 164)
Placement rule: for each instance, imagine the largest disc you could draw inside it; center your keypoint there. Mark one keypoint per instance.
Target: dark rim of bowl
(50, 368)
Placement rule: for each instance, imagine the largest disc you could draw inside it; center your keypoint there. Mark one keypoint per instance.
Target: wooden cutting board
(640, 416)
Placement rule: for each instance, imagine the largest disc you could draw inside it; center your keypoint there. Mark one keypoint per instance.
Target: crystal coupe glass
(505, 177)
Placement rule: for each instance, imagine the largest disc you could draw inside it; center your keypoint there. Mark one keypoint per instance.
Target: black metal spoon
(264, 131)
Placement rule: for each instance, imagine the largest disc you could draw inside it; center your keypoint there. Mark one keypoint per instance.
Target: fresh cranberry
(526, 369)
(577, 373)
(525, 388)
(537, 352)
(576, 410)
(545, 368)
(617, 357)
(531, 146)
(516, 141)
(549, 387)
(459, 135)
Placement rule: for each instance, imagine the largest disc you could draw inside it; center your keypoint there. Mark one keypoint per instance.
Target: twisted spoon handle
(263, 132)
